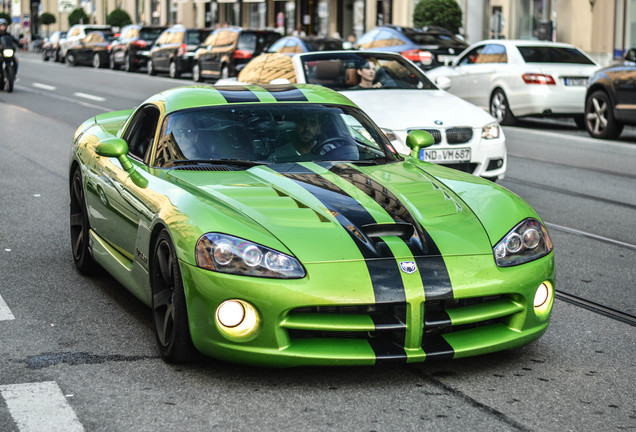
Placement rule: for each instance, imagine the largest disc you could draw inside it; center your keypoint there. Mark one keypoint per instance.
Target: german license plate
(575, 81)
(445, 155)
(446, 59)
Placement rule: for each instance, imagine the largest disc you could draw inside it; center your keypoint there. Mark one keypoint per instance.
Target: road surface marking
(37, 407)
(5, 312)
(90, 97)
(44, 86)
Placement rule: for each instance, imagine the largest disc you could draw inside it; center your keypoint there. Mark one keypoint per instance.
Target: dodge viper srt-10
(277, 226)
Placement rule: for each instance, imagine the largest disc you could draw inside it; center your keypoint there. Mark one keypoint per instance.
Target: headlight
(528, 241)
(228, 254)
(491, 131)
(7, 53)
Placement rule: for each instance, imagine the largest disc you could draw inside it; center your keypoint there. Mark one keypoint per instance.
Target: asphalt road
(84, 349)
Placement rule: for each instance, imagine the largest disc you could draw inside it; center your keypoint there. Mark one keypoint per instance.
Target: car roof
(197, 96)
(524, 42)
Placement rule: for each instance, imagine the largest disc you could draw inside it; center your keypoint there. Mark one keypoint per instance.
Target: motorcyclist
(3, 32)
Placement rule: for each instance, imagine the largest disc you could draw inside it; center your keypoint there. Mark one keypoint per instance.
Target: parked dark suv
(173, 51)
(428, 47)
(131, 49)
(610, 101)
(228, 49)
(91, 50)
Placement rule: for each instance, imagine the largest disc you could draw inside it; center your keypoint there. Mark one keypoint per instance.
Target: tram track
(597, 308)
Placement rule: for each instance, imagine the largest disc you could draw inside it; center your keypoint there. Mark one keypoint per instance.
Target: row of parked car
(509, 79)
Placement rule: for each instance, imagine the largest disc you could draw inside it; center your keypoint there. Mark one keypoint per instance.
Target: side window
(365, 41)
(387, 39)
(277, 46)
(141, 131)
(471, 56)
(211, 40)
(163, 38)
(493, 53)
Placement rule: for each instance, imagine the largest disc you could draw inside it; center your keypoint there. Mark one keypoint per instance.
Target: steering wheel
(322, 148)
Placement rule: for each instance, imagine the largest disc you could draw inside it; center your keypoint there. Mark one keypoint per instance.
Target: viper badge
(408, 267)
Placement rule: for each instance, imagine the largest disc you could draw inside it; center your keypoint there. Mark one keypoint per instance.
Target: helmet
(3, 21)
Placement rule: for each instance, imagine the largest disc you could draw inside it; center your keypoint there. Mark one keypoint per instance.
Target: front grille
(459, 135)
(466, 167)
(437, 135)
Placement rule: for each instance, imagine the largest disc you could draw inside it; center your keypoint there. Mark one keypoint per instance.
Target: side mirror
(417, 140)
(630, 56)
(115, 148)
(443, 82)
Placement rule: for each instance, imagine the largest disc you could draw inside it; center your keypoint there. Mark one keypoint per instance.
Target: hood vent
(402, 230)
(205, 168)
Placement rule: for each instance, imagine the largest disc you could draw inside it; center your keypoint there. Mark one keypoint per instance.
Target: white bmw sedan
(514, 78)
(399, 98)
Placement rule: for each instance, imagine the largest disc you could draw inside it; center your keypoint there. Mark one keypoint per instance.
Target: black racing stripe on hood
(384, 273)
(287, 94)
(238, 94)
(431, 266)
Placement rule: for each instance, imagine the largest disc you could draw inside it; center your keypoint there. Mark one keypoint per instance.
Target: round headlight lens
(531, 238)
(223, 253)
(514, 243)
(252, 256)
(541, 295)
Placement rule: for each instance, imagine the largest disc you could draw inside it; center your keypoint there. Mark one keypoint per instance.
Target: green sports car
(276, 225)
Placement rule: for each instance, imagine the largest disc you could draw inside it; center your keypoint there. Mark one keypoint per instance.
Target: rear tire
(500, 108)
(97, 61)
(112, 63)
(150, 67)
(169, 311)
(196, 73)
(599, 117)
(129, 65)
(174, 73)
(225, 72)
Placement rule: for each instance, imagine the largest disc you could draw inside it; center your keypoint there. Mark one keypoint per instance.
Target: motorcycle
(8, 63)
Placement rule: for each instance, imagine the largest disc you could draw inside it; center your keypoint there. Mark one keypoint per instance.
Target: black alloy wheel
(169, 311)
(599, 117)
(500, 109)
(80, 227)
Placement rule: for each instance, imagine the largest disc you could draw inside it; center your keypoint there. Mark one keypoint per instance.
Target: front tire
(500, 108)
(129, 65)
(70, 59)
(225, 72)
(8, 77)
(599, 117)
(80, 227)
(169, 311)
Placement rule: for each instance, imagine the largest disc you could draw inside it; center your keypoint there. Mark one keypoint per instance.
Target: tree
(47, 18)
(76, 16)
(441, 13)
(118, 18)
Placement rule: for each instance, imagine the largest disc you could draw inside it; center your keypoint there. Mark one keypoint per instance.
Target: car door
(625, 91)
(161, 56)
(114, 197)
(204, 53)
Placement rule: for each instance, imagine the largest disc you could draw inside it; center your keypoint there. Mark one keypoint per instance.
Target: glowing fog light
(237, 318)
(230, 313)
(542, 295)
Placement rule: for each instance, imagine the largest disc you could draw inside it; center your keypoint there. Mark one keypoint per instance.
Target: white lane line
(37, 407)
(44, 86)
(5, 312)
(590, 235)
(89, 97)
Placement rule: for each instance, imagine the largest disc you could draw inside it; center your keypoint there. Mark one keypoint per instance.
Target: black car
(130, 51)
(228, 49)
(428, 47)
(173, 51)
(610, 100)
(291, 45)
(51, 47)
(91, 50)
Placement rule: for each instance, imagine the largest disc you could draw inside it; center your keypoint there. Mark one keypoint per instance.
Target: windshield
(548, 54)
(360, 71)
(275, 133)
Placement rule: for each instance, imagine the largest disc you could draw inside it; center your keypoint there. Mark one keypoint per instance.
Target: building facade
(603, 28)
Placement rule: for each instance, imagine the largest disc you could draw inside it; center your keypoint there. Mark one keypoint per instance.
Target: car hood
(406, 109)
(338, 212)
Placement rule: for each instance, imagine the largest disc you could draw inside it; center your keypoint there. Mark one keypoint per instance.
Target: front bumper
(330, 317)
